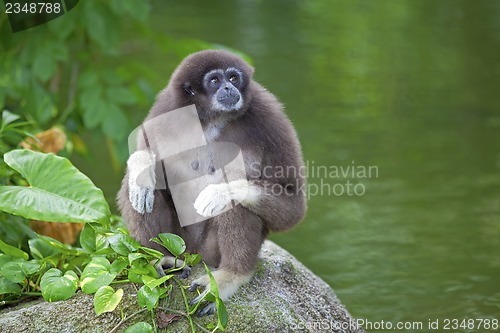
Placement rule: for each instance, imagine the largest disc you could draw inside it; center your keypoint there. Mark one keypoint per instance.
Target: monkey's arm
(141, 181)
(280, 207)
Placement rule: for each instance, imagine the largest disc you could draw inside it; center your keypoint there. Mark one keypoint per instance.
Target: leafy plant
(13, 128)
(106, 256)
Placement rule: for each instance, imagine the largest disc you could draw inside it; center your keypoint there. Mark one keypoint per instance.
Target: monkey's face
(223, 87)
(216, 82)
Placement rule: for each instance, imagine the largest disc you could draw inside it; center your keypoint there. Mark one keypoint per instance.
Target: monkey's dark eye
(233, 78)
(214, 80)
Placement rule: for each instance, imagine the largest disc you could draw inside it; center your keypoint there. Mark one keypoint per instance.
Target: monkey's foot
(208, 309)
(227, 284)
(185, 272)
(168, 262)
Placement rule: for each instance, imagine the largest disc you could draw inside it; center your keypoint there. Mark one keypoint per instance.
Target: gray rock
(283, 296)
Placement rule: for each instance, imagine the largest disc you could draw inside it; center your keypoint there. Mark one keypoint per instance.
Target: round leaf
(140, 327)
(13, 251)
(123, 244)
(56, 286)
(16, 271)
(88, 239)
(41, 249)
(106, 299)
(72, 198)
(173, 243)
(96, 275)
(148, 297)
(8, 287)
(118, 265)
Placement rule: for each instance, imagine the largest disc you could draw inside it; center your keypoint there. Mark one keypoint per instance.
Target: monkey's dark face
(216, 82)
(224, 88)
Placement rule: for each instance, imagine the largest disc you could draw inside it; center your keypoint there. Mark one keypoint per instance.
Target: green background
(409, 87)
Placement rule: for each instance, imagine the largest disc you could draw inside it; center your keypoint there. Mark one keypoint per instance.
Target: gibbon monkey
(270, 196)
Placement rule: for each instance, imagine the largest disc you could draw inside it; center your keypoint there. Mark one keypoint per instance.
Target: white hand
(212, 200)
(142, 181)
(215, 197)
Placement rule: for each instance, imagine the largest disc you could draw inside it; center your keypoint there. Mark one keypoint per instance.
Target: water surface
(411, 88)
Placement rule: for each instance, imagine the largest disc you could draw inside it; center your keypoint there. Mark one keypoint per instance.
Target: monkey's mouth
(229, 101)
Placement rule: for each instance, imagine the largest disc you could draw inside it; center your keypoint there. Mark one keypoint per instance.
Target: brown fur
(230, 241)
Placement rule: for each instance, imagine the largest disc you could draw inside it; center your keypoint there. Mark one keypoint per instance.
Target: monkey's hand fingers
(202, 281)
(208, 310)
(141, 199)
(141, 181)
(212, 200)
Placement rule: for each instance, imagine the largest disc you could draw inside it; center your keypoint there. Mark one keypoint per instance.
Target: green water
(410, 88)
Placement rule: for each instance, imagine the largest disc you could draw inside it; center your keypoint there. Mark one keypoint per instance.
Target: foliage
(84, 71)
(105, 256)
(13, 229)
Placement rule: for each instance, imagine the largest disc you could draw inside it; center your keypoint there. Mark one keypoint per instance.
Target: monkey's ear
(187, 87)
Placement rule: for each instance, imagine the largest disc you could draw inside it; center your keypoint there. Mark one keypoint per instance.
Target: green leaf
(103, 30)
(192, 259)
(221, 314)
(57, 245)
(153, 282)
(120, 95)
(114, 123)
(221, 307)
(16, 269)
(13, 270)
(106, 299)
(88, 239)
(140, 327)
(123, 244)
(72, 198)
(88, 79)
(173, 243)
(9, 287)
(44, 64)
(40, 249)
(133, 277)
(92, 106)
(13, 251)
(139, 268)
(96, 275)
(7, 118)
(102, 245)
(148, 297)
(118, 265)
(56, 286)
(136, 256)
(156, 254)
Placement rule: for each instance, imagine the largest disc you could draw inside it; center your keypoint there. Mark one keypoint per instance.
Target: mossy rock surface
(283, 296)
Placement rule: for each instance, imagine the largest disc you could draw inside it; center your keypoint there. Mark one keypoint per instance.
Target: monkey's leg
(145, 226)
(240, 236)
(171, 262)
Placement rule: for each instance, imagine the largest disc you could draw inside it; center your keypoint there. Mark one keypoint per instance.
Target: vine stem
(185, 303)
(127, 318)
